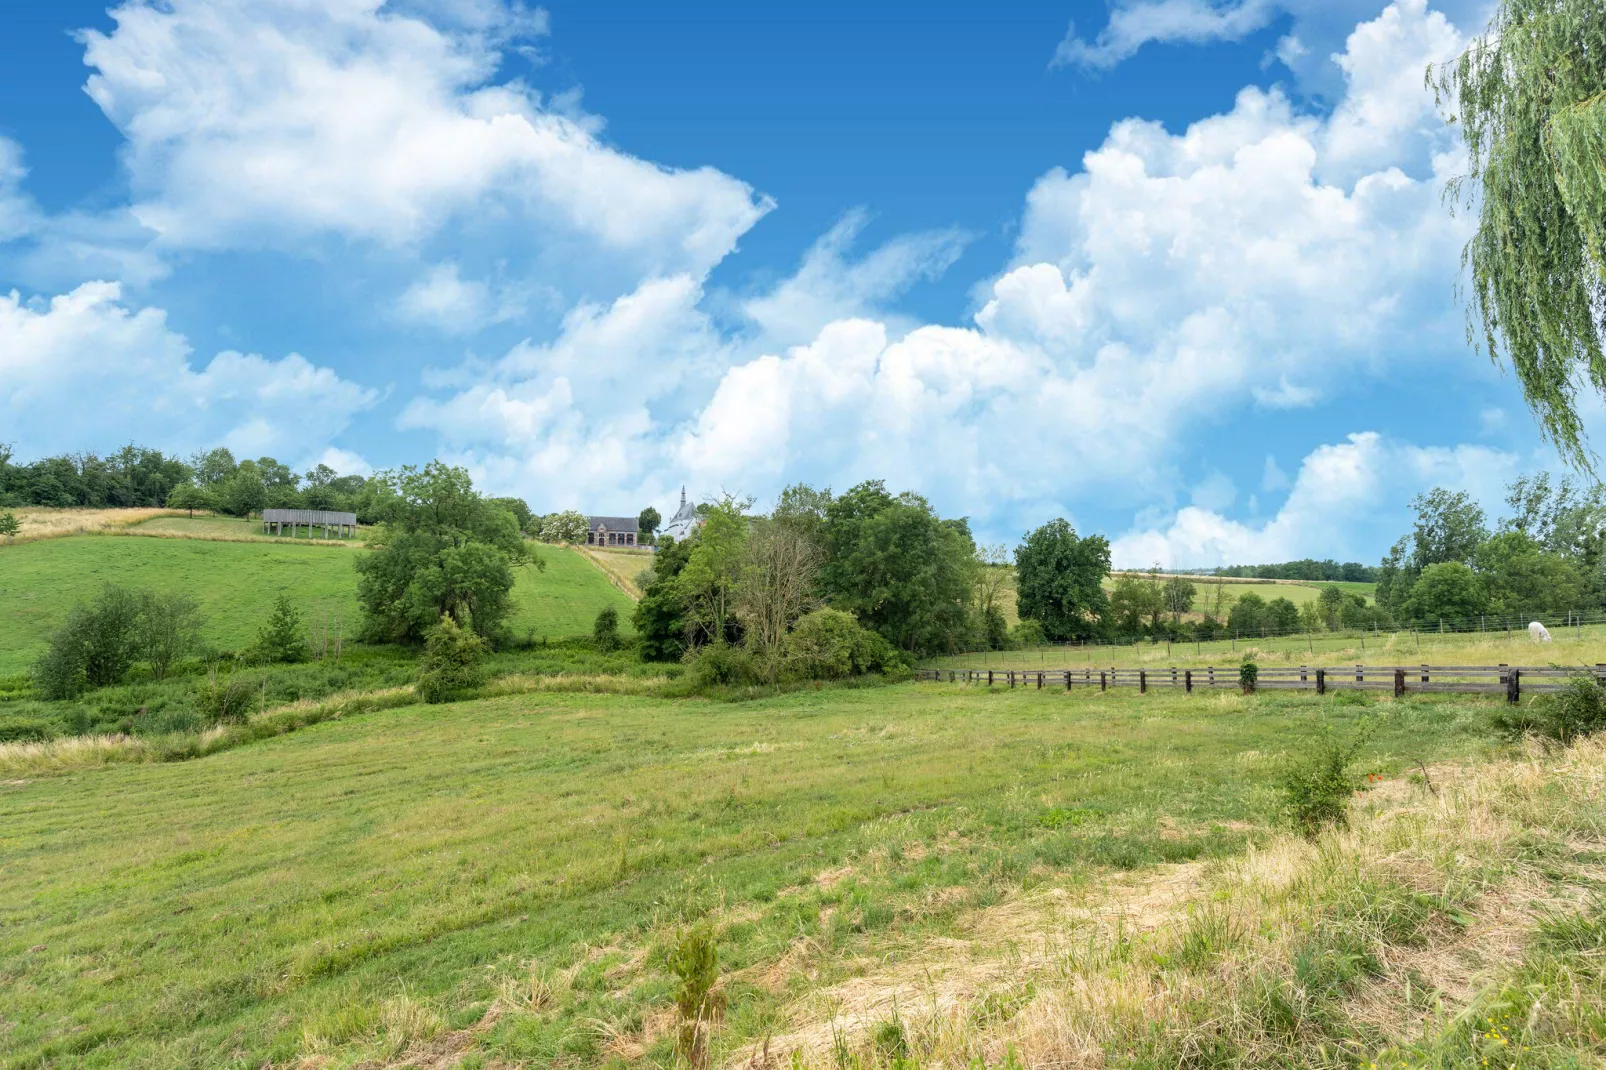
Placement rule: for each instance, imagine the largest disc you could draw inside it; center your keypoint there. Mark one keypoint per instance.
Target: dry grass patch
(1295, 954)
(41, 523)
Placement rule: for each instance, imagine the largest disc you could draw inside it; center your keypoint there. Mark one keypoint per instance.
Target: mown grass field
(513, 868)
(237, 582)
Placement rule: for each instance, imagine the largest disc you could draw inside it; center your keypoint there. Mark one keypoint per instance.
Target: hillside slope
(237, 582)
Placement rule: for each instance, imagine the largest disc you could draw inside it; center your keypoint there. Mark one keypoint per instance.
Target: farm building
(612, 531)
(278, 519)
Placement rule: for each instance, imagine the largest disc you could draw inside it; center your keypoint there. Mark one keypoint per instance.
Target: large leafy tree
(1530, 95)
(1446, 591)
(899, 568)
(1059, 578)
(711, 580)
(441, 550)
(1449, 526)
(660, 616)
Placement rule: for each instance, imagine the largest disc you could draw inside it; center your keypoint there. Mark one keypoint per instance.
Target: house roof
(307, 516)
(614, 523)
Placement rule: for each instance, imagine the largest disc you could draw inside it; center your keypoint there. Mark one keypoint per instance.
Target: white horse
(1538, 632)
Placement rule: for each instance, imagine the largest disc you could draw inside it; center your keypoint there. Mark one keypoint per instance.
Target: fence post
(1399, 682)
(1012, 679)
(1321, 681)
(1067, 679)
(1039, 681)
(989, 678)
(1187, 680)
(1103, 686)
(1514, 686)
(1143, 682)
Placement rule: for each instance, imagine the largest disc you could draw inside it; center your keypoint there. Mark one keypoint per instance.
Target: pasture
(1569, 647)
(236, 584)
(501, 878)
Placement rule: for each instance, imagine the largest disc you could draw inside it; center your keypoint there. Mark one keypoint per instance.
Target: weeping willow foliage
(1531, 100)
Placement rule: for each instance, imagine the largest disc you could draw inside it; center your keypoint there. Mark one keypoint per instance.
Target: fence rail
(1512, 681)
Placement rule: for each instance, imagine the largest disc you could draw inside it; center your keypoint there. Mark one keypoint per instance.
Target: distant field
(1584, 646)
(237, 582)
(225, 527)
(623, 565)
(500, 878)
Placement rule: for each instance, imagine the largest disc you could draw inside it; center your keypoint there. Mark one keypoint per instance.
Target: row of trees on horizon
(1545, 556)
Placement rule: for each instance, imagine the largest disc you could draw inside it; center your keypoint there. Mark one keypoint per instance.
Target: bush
(282, 638)
(226, 699)
(9, 525)
(451, 661)
(169, 630)
(1248, 677)
(25, 730)
(1317, 788)
(694, 961)
(94, 648)
(1578, 709)
(170, 720)
(720, 665)
(605, 632)
(1027, 634)
(829, 644)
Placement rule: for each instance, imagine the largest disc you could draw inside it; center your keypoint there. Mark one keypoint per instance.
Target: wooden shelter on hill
(345, 524)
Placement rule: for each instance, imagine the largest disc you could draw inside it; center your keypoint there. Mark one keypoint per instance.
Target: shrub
(25, 730)
(1317, 787)
(1027, 634)
(829, 644)
(169, 630)
(282, 638)
(450, 662)
(720, 665)
(9, 525)
(1248, 677)
(94, 647)
(170, 720)
(1578, 709)
(694, 960)
(605, 632)
(228, 698)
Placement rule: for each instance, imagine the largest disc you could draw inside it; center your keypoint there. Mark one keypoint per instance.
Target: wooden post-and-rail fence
(1512, 681)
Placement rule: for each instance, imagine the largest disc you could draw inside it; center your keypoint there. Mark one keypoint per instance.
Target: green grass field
(237, 582)
(1570, 647)
(366, 887)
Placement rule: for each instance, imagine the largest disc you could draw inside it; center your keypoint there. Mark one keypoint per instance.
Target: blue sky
(1176, 269)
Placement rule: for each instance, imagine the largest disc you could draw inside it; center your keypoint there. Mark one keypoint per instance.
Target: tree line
(1306, 569)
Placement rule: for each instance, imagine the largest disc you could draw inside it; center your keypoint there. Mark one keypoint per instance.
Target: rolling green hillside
(236, 583)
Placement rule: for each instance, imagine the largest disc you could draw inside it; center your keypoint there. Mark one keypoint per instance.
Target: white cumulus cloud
(84, 368)
(266, 122)
(1347, 498)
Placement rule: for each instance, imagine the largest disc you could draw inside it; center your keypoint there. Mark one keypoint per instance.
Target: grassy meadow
(237, 582)
(500, 878)
(1569, 646)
